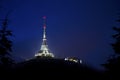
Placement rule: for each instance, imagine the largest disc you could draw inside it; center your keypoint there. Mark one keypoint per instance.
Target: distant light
(66, 59)
(81, 61)
(71, 59)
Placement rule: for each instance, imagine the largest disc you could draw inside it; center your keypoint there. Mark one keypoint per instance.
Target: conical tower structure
(44, 50)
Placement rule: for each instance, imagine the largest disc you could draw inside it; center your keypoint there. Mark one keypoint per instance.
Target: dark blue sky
(80, 28)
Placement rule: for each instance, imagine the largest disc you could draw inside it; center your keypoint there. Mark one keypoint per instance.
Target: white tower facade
(44, 50)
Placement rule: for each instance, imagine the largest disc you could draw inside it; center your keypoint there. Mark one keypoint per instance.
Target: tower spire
(44, 27)
(44, 51)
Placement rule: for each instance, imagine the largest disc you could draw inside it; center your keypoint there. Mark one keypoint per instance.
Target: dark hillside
(44, 68)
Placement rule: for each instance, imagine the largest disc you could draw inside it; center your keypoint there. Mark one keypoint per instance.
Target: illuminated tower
(44, 51)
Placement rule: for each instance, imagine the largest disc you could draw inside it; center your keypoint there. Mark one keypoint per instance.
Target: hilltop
(51, 68)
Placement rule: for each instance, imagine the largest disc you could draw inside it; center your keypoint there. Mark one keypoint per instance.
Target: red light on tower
(44, 26)
(44, 17)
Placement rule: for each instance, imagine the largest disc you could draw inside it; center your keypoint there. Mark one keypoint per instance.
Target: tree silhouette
(5, 44)
(112, 65)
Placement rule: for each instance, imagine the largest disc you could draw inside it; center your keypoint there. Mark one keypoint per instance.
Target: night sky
(79, 28)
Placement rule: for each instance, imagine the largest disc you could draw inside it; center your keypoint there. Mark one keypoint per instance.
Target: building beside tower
(44, 50)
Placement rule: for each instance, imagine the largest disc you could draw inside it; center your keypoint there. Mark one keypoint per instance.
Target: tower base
(44, 55)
